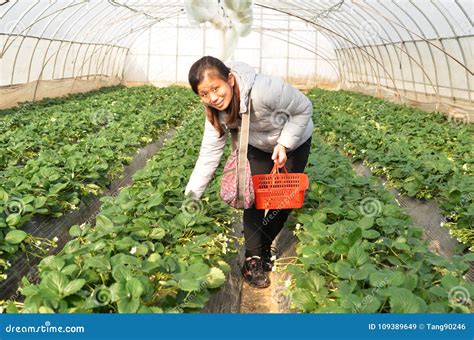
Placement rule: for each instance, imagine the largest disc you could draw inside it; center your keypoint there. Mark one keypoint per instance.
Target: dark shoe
(269, 255)
(254, 274)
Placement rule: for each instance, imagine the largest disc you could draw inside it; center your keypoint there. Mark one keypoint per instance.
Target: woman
(280, 132)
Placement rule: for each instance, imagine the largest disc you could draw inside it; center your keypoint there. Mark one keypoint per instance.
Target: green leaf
(189, 284)
(15, 236)
(215, 278)
(128, 306)
(449, 281)
(73, 287)
(404, 301)
(154, 201)
(357, 256)
(134, 287)
(99, 262)
(343, 270)
(366, 222)
(45, 310)
(439, 291)
(157, 233)
(40, 201)
(302, 299)
(55, 282)
(104, 224)
(355, 236)
(316, 281)
(370, 234)
(13, 220)
(57, 188)
(53, 262)
(75, 231)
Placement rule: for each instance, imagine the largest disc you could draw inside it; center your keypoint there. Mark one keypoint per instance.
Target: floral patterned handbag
(236, 184)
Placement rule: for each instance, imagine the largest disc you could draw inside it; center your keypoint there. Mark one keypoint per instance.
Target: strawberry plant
(420, 153)
(57, 178)
(359, 253)
(149, 251)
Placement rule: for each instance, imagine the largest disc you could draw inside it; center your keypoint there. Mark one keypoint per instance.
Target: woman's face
(216, 92)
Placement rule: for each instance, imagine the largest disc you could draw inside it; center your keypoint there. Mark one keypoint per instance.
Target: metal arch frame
(94, 18)
(392, 43)
(155, 20)
(411, 61)
(50, 42)
(325, 27)
(355, 38)
(6, 46)
(66, 33)
(331, 62)
(334, 40)
(26, 30)
(349, 32)
(362, 51)
(394, 46)
(58, 51)
(145, 26)
(434, 85)
(444, 49)
(422, 37)
(302, 41)
(125, 22)
(103, 48)
(356, 66)
(456, 38)
(352, 65)
(377, 47)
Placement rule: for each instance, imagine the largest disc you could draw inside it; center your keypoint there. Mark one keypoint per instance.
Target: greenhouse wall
(278, 44)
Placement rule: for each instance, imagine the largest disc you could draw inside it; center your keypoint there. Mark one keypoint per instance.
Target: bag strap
(242, 159)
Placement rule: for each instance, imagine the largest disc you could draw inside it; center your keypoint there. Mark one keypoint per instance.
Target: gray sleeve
(212, 149)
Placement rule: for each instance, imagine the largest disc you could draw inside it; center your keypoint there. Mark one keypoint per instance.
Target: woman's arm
(212, 149)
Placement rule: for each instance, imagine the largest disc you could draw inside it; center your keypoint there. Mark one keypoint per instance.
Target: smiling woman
(279, 132)
(214, 83)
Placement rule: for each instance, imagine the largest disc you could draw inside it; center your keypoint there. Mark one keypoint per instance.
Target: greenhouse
(120, 119)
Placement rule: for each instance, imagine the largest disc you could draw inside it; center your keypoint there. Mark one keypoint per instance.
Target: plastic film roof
(404, 45)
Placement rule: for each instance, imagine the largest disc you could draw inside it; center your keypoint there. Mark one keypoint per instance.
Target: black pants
(260, 231)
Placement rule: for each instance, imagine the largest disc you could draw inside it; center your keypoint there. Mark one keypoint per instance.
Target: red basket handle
(276, 169)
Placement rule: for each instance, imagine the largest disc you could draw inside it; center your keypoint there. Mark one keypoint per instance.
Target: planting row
(359, 253)
(56, 179)
(149, 251)
(422, 154)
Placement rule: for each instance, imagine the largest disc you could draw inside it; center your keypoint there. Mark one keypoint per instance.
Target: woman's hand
(279, 155)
